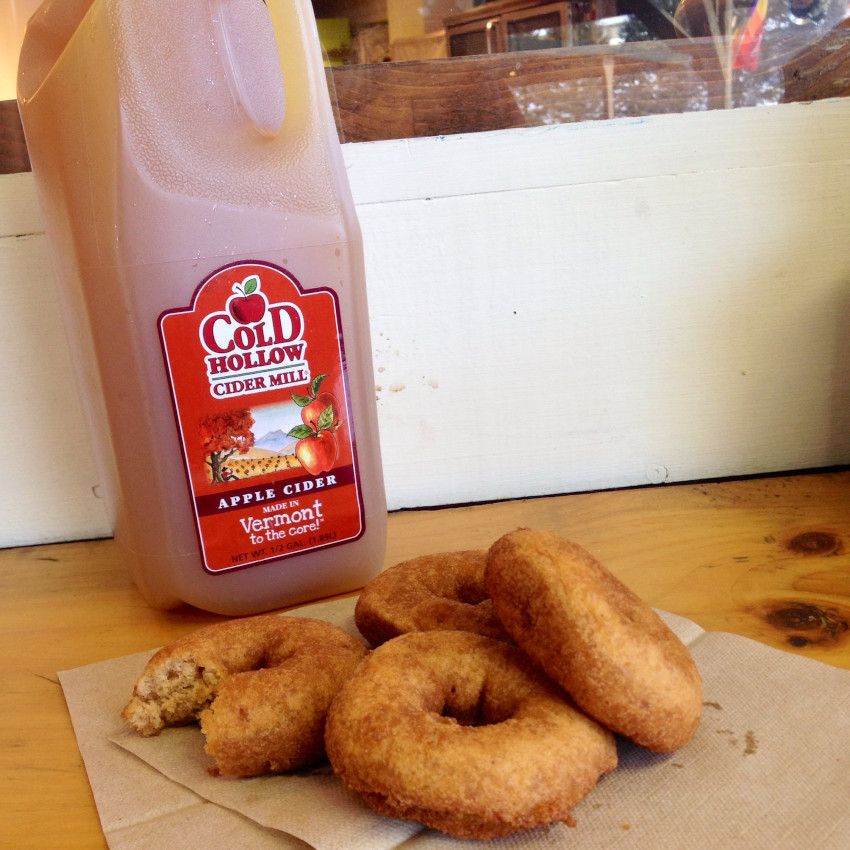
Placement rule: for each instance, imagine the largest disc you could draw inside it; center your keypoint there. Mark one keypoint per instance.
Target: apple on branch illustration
(313, 405)
(247, 306)
(317, 447)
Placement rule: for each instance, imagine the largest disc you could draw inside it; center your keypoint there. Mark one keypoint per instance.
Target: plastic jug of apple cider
(210, 264)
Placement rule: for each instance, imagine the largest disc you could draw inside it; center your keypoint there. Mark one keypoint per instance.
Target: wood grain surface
(481, 93)
(768, 558)
(13, 147)
(470, 94)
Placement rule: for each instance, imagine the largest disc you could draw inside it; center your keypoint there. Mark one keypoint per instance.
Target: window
(407, 68)
(515, 63)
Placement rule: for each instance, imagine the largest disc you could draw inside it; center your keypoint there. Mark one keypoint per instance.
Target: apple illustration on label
(248, 306)
(317, 403)
(317, 447)
(317, 453)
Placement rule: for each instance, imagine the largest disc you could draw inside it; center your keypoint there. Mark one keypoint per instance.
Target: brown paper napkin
(769, 768)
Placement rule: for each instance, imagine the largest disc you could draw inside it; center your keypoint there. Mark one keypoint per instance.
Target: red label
(260, 392)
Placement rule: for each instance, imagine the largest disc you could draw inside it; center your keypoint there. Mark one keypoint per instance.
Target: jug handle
(310, 91)
(266, 114)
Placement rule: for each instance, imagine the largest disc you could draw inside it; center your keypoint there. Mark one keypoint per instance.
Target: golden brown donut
(595, 637)
(432, 592)
(462, 733)
(261, 687)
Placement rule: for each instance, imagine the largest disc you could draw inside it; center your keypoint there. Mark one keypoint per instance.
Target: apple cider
(210, 266)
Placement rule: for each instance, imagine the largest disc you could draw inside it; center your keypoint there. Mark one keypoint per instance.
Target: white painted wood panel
(614, 335)
(662, 146)
(553, 309)
(49, 491)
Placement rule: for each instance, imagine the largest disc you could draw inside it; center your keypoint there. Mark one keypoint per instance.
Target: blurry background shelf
(396, 100)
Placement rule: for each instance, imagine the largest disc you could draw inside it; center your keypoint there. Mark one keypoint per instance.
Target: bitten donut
(462, 733)
(261, 687)
(432, 592)
(595, 637)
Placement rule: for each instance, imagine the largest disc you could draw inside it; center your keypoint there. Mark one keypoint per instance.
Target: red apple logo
(316, 404)
(248, 306)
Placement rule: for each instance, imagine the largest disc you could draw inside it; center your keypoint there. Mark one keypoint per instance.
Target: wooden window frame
(475, 93)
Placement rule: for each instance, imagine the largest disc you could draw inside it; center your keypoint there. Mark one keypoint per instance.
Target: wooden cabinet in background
(507, 26)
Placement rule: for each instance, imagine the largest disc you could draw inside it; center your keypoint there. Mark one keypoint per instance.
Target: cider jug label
(256, 365)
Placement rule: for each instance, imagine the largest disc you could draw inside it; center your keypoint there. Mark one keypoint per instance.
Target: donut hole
(476, 715)
(468, 593)
(476, 707)
(270, 657)
(264, 662)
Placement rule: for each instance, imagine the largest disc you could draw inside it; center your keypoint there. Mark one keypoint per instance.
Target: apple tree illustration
(222, 436)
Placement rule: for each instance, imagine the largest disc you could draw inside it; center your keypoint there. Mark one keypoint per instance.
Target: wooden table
(767, 558)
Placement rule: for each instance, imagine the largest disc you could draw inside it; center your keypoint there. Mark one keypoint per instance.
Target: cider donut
(462, 733)
(607, 648)
(432, 592)
(261, 687)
